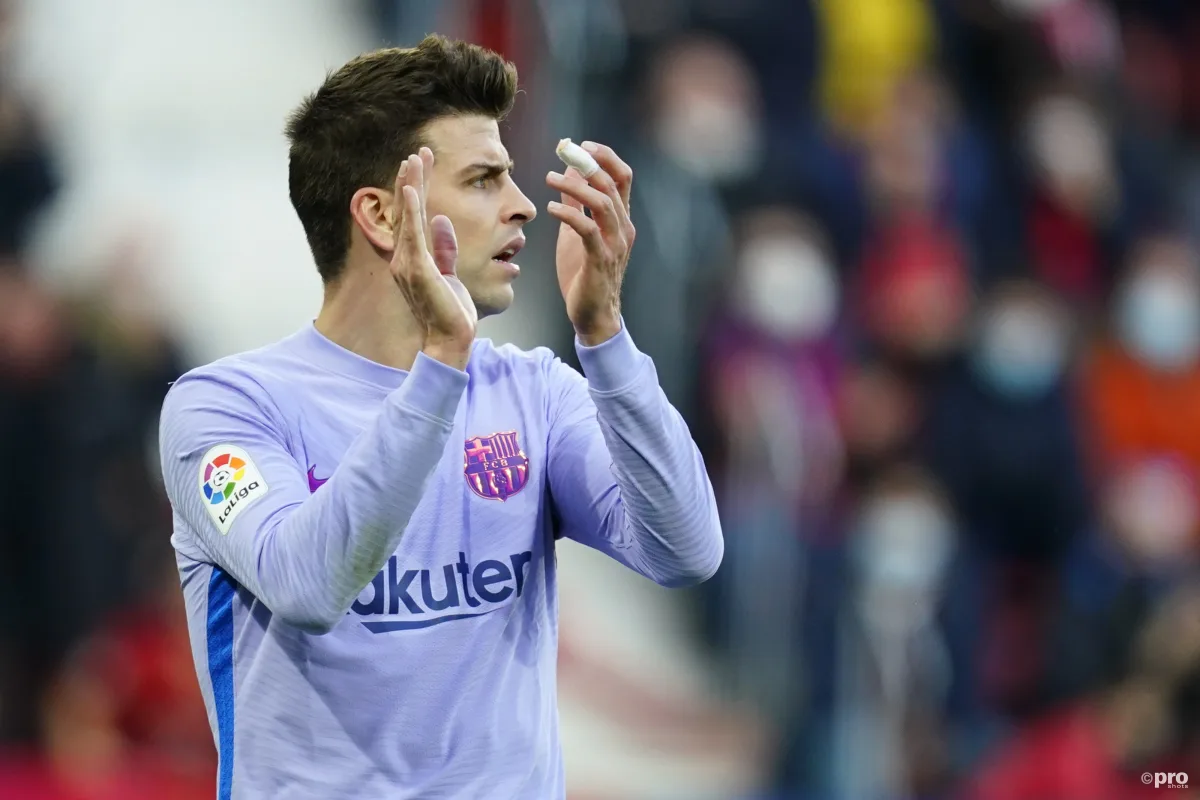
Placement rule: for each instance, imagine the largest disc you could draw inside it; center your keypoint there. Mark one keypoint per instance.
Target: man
(366, 512)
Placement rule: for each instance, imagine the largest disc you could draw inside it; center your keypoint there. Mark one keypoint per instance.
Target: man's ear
(374, 213)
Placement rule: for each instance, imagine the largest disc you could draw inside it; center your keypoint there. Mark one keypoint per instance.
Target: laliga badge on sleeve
(229, 482)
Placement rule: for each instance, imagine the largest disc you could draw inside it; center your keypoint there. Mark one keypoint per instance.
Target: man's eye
(481, 182)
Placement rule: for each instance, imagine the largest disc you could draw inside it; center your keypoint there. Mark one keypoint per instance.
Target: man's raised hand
(423, 266)
(593, 251)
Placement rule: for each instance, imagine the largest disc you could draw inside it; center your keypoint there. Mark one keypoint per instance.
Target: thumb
(444, 245)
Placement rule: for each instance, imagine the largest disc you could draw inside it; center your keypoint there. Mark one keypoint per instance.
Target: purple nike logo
(314, 482)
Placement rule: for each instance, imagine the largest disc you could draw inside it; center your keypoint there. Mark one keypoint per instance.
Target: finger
(412, 175)
(417, 178)
(586, 227)
(425, 155)
(566, 198)
(620, 172)
(443, 244)
(602, 181)
(601, 205)
(414, 250)
(398, 205)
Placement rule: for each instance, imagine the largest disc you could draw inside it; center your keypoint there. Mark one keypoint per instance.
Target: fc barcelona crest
(494, 466)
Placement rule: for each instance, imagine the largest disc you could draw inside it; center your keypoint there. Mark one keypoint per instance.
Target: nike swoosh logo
(314, 482)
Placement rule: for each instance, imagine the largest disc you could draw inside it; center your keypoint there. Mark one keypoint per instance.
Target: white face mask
(788, 287)
(1156, 513)
(710, 138)
(1158, 319)
(1067, 140)
(905, 543)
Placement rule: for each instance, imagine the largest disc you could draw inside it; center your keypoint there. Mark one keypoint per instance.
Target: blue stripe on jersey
(221, 589)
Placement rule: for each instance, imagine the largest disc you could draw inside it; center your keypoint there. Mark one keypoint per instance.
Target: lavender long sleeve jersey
(367, 554)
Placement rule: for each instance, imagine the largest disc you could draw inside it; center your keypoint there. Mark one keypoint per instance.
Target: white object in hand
(575, 156)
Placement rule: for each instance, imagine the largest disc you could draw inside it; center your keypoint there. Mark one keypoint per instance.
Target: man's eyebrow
(488, 169)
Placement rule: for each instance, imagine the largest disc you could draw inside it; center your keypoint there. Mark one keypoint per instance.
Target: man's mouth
(509, 252)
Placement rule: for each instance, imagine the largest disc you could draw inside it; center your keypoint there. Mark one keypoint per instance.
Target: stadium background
(921, 274)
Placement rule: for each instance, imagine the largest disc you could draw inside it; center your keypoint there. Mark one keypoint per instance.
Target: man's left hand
(593, 252)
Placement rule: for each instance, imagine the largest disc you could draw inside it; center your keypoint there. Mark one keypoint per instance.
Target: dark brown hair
(368, 116)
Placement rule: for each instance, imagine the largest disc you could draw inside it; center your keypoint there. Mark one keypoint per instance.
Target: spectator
(869, 47)
(82, 387)
(1098, 748)
(1143, 549)
(128, 700)
(1000, 429)
(1000, 435)
(1080, 206)
(879, 412)
(772, 367)
(880, 673)
(1141, 387)
(699, 104)
(912, 288)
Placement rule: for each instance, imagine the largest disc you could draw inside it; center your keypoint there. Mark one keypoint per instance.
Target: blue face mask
(1019, 378)
(1020, 354)
(1159, 322)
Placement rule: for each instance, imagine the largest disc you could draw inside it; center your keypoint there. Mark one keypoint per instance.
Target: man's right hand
(423, 266)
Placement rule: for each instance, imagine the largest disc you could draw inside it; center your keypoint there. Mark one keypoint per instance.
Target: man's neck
(365, 313)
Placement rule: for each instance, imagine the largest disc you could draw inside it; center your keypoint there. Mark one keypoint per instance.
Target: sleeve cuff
(434, 388)
(611, 365)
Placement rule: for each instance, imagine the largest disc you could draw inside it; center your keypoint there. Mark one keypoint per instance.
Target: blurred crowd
(924, 278)
(98, 697)
(940, 339)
